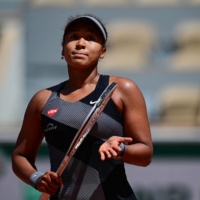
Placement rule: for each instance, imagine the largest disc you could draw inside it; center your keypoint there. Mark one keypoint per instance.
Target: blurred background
(155, 43)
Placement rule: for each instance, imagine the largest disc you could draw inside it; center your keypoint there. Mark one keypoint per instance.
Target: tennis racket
(85, 128)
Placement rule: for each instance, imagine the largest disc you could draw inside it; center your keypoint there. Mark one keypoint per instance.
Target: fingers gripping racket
(85, 128)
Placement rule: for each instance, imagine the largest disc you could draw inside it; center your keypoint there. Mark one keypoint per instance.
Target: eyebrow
(94, 33)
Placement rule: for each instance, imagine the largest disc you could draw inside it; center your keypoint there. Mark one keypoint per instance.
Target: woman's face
(83, 46)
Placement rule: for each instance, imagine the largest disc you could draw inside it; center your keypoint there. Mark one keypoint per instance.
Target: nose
(80, 43)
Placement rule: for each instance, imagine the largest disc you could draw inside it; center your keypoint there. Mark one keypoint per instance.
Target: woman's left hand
(111, 148)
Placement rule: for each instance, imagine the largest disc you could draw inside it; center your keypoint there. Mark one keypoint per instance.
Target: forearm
(138, 154)
(23, 168)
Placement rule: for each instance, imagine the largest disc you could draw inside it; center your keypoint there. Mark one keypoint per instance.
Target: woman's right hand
(49, 183)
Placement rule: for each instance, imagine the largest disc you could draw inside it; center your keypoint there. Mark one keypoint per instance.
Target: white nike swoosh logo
(92, 102)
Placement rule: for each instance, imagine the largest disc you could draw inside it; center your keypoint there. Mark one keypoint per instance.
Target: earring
(62, 57)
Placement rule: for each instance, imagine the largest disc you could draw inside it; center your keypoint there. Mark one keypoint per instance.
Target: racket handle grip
(44, 196)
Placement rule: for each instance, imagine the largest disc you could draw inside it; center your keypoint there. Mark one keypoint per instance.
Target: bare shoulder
(38, 100)
(41, 96)
(127, 94)
(125, 85)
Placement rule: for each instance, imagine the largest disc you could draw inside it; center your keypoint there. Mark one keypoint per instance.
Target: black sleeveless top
(86, 177)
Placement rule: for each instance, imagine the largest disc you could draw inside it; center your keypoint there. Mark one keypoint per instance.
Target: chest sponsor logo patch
(52, 112)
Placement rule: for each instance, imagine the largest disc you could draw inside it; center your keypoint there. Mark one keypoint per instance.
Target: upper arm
(31, 133)
(134, 112)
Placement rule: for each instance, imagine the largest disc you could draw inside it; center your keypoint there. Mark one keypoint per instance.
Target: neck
(80, 82)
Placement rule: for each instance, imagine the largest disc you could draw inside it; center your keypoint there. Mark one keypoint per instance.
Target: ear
(62, 53)
(103, 52)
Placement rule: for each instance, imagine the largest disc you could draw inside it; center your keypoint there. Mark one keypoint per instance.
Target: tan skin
(83, 47)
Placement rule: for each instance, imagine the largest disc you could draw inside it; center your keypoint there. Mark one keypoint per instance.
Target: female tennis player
(120, 135)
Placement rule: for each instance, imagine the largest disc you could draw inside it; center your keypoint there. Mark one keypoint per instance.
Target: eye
(74, 37)
(90, 38)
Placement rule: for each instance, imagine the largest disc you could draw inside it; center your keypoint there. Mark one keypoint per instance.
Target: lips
(79, 54)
